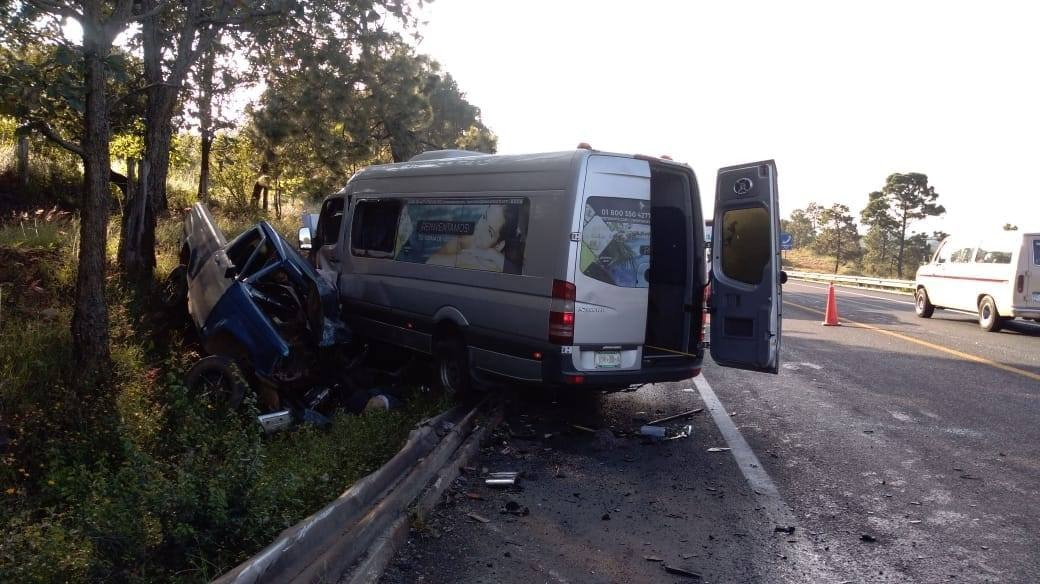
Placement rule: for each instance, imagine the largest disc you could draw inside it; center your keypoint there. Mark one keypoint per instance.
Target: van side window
(374, 229)
(329, 221)
(992, 256)
(962, 255)
(943, 255)
(1036, 252)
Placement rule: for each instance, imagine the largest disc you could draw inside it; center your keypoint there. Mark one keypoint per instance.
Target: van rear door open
(746, 296)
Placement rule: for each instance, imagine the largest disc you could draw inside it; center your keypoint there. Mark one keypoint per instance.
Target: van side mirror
(305, 238)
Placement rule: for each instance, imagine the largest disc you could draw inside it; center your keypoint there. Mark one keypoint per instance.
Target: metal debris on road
(868, 538)
(718, 449)
(681, 572)
(501, 479)
(675, 417)
(583, 428)
(653, 431)
(653, 559)
(788, 529)
(662, 433)
(479, 518)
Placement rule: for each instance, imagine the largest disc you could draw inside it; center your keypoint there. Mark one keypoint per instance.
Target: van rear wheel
(452, 360)
(922, 304)
(989, 318)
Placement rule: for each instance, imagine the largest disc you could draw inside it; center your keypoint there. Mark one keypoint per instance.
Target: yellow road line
(940, 348)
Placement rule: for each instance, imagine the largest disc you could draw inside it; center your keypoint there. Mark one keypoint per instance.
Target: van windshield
(615, 241)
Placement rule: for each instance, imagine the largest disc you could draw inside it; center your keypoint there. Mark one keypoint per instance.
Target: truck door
(745, 279)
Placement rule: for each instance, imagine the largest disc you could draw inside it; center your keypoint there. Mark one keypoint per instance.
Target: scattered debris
(681, 572)
(653, 559)
(689, 389)
(915, 502)
(479, 518)
(662, 433)
(514, 508)
(868, 431)
(583, 428)
(475, 496)
(788, 529)
(868, 538)
(914, 521)
(718, 449)
(686, 556)
(675, 417)
(501, 479)
(658, 432)
(606, 517)
(971, 477)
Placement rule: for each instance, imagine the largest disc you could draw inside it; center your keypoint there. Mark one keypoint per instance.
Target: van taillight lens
(561, 313)
(1020, 283)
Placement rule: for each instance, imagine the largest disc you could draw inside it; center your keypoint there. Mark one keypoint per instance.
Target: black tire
(174, 292)
(989, 318)
(219, 381)
(922, 304)
(451, 360)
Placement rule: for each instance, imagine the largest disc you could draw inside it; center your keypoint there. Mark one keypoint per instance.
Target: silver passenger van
(580, 268)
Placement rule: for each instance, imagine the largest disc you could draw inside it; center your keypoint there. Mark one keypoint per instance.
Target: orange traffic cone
(830, 317)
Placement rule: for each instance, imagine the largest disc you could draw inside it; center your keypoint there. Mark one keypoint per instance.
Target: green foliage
(134, 479)
(882, 239)
(801, 227)
(910, 198)
(838, 235)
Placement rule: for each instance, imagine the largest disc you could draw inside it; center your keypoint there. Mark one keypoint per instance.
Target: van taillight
(1020, 283)
(561, 313)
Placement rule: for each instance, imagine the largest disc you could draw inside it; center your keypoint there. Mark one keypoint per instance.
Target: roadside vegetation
(112, 471)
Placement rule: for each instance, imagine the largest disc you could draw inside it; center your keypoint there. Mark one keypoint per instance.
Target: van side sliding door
(745, 280)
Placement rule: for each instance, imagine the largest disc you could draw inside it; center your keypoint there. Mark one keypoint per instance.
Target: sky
(840, 94)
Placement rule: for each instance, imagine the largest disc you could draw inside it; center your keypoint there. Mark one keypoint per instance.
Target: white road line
(809, 565)
(748, 463)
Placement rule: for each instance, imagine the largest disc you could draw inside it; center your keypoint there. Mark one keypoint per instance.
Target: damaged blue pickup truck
(268, 320)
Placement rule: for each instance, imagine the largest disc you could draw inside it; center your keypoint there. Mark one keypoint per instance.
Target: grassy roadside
(133, 480)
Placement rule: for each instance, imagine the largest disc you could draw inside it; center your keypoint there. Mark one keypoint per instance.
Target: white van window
(991, 254)
(374, 227)
(475, 234)
(615, 241)
(1036, 252)
(962, 255)
(943, 255)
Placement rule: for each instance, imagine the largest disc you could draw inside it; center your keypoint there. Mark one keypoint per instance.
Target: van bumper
(560, 372)
(1025, 312)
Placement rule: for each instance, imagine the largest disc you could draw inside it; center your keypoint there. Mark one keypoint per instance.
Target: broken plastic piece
(718, 449)
(676, 416)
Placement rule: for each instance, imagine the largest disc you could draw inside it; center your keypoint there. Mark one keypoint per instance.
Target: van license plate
(608, 359)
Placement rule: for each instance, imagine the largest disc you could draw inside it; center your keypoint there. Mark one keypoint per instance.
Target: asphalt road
(899, 449)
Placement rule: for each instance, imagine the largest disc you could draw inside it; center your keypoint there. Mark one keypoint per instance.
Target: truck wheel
(174, 292)
(217, 380)
(452, 361)
(989, 318)
(922, 305)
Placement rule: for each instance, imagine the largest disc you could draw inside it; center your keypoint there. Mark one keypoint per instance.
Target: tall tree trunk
(90, 315)
(22, 152)
(206, 122)
(902, 245)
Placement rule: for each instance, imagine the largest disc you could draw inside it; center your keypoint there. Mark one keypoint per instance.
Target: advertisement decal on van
(475, 234)
(615, 241)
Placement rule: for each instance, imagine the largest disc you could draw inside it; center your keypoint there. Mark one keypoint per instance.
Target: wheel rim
(987, 312)
(449, 371)
(213, 386)
(920, 302)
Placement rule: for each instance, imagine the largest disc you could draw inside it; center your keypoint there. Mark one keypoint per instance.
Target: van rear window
(1036, 252)
(615, 241)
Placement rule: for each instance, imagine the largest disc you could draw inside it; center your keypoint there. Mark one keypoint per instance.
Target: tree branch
(52, 135)
(139, 90)
(55, 7)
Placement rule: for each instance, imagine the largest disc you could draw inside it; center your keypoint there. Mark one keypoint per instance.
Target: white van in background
(997, 275)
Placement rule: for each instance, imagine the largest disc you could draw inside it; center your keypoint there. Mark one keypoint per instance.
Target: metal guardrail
(864, 281)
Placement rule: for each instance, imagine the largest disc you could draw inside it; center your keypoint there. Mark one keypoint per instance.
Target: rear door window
(1036, 252)
(615, 241)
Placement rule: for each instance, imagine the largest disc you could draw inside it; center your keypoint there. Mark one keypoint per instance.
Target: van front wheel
(922, 305)
(452, 361)
(989, 318)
